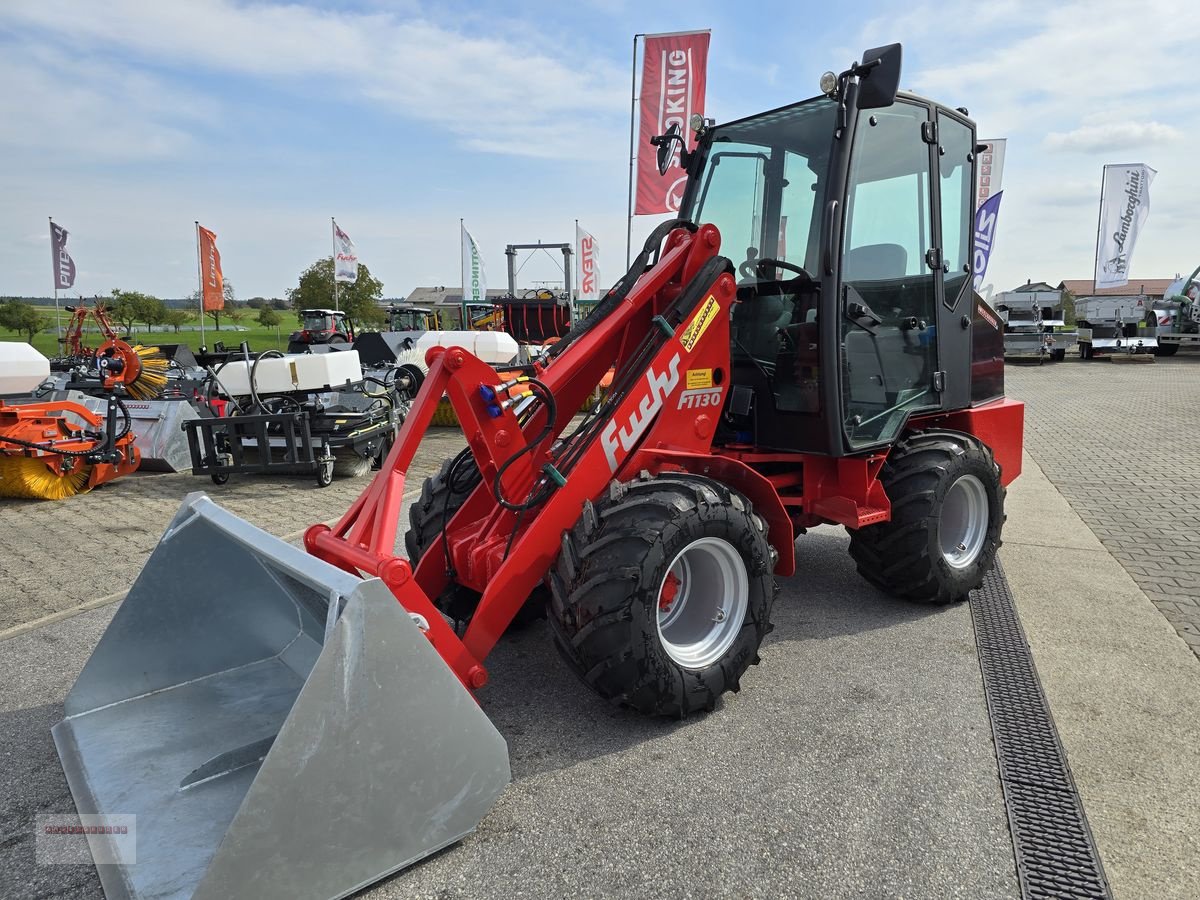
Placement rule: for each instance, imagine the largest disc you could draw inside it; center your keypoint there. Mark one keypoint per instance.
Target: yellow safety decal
(700, 323)
(699, 378)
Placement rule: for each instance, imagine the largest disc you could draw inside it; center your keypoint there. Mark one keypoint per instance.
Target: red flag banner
(673, 79)
(212, 281)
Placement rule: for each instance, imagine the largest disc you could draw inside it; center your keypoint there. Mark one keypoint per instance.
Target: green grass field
(259, 338)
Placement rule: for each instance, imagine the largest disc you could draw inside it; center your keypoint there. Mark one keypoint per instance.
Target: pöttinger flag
(674, 72)
(64, 266)
(589, 266)
(212, 282)
(1124, 206)
(474, 279)
(345, 260)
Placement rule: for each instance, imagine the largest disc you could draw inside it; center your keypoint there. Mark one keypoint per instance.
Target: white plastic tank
(292, 372)
(22, 368)
(495, 348)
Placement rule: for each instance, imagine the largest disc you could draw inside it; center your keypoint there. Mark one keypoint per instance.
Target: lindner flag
(673, 81)
(64, 266)
(990, 170)
(985, 237)
(589, 266)
(345, 261)
(474, 279)
(212, 282)
(1124, 206)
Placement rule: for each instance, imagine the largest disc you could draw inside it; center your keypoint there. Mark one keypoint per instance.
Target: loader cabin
(849, 219)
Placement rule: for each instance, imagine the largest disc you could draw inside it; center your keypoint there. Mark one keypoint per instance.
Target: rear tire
(662, 593)
(1166, 349)
(947, 514)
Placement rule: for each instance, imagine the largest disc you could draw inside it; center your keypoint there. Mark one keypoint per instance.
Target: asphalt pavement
(856, 761)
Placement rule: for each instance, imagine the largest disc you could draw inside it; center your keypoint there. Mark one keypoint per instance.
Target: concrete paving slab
(1124, 689)
(857, 760)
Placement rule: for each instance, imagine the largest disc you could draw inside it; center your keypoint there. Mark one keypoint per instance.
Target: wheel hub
(702, 602)
(963, 525)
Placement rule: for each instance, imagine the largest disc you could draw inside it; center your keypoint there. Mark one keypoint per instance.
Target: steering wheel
(755, 268)
(784, 264)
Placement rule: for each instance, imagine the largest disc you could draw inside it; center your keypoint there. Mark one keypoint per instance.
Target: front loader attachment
(278, 727)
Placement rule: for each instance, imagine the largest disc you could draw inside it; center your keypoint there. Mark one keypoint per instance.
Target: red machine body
(667, 423)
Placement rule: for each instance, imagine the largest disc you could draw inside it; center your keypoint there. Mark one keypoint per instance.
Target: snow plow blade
(279, 727)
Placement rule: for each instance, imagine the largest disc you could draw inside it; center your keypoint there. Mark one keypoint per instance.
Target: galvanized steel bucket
(279, 727)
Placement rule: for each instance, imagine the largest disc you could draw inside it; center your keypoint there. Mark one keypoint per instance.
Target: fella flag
(345, 261)
(212, 282)
(64, 266)
(589, 266)
(1124, 206)
(674, 73)
(985, 237)
(474, 279)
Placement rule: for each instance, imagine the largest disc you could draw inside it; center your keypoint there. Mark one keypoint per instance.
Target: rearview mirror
(879, 77)
(665, 144)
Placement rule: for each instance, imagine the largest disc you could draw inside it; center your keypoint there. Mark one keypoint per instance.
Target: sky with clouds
(127, 120)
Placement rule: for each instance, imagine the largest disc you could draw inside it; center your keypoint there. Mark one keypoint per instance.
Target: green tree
(257, 302)
(131, 307)
(22, 318)
(269, 318)
(215, 314)
(1068, 305)
(359, 300)
(177, 317)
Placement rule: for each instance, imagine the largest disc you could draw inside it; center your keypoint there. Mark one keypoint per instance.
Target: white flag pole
(57, 317)
(1099, 225)
(633, 103)
(333, 259)
(200, 282)
(462, 269)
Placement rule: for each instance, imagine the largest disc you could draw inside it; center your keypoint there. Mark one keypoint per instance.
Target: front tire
(947, 514)
(662, 593)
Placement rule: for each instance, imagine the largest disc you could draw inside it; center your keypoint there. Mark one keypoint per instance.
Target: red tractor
(321, 326)
(802, 346)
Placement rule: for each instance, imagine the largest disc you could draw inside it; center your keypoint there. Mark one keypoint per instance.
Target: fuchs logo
(587, 265)
(658, 388)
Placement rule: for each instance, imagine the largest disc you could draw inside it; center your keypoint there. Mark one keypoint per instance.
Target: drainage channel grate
(1056, 855)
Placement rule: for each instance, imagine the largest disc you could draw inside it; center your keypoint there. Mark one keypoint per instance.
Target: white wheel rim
(702, 602)
(963, 526)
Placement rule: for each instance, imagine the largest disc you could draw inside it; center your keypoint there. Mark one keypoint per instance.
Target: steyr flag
(212, 282)
(1124, 206)
(345, 261)
(589, 266)
(64, 266)
(673, 80)
(474, 279)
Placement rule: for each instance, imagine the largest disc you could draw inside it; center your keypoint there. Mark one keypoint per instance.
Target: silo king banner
(1124, 206)
(673, 80)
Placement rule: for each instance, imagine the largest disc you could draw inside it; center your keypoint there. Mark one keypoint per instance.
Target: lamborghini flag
(211, 279)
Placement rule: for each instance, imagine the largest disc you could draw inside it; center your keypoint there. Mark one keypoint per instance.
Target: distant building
(1150, 288)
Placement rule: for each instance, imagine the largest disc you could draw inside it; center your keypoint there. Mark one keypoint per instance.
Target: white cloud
(493, 92)
(1113, 136)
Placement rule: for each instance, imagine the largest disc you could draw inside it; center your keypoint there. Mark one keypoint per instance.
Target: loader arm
(670, 325)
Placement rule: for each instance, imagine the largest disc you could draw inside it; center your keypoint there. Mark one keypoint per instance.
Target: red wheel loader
(801, 347)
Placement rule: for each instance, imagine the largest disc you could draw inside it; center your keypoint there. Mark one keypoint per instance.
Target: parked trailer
(1031, 328)
(1115, 325)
